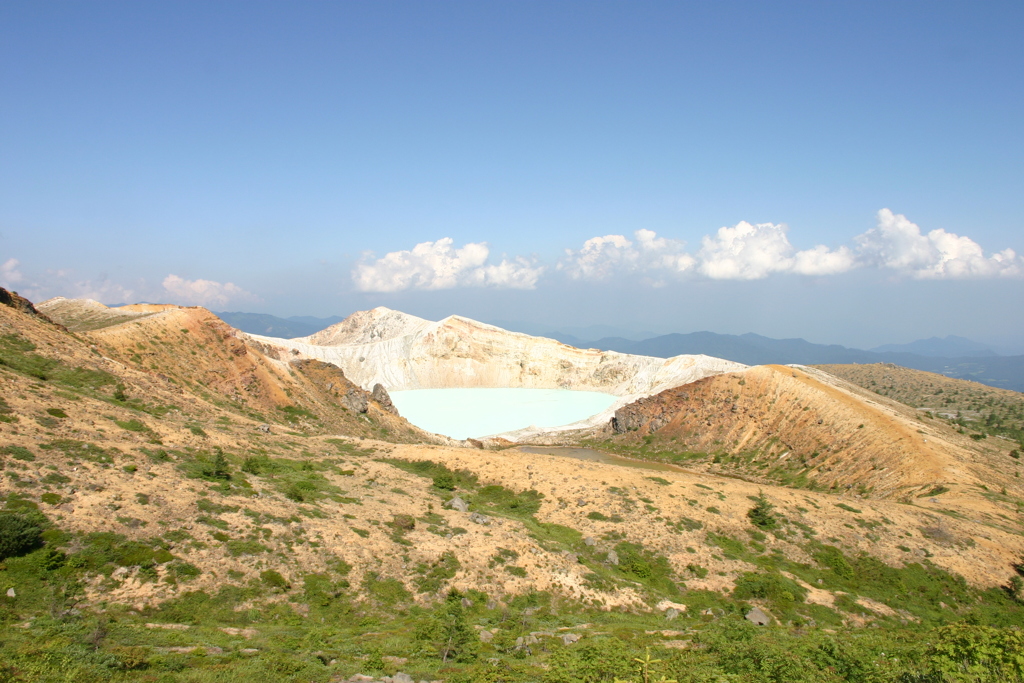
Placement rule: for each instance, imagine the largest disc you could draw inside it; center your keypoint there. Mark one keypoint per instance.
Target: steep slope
(193, 353)
(803, 427)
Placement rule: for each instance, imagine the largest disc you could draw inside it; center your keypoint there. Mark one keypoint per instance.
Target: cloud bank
(755, 251)
(438, 265)
(898, 244)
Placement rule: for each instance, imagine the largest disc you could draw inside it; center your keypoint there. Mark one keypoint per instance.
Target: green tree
(449, 631)
(761, 514)
(218, 467)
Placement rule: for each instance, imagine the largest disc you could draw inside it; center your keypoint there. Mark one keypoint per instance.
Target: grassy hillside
(975, 407)
(179, 505)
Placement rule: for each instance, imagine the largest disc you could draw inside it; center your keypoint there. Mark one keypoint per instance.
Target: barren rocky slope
(130, 459)
(226, 498)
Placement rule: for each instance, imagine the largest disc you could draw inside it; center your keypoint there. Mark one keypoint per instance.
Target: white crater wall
(403, 353)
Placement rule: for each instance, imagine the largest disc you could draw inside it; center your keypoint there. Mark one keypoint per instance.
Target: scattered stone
(355, 400)
(486, 636)
(671, 613)
(457, 504)
(581, 503)
(491, 604)
(477, 518)
(398, 677)
(589, 541)
(246, 633)
(249, 650)
(467, 603)
(523, 641)
(360, 678)
(177, 627)
(613, 557)
(676, 644)
(667, 605)
(264, 428)
(11, 593)
(757, 617)
(569, 638)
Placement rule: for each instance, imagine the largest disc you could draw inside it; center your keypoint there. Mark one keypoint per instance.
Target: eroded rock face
(380, 395)
(20, 303)
(391, 349)
(403, 352)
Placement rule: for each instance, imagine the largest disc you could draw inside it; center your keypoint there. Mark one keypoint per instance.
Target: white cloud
(103, 290)
(822, 261)
(602, 257)
(437, 265)
(745, 252)
(204, 292)
(64, 283)
(752, 252)
(9, 273)
(898, 244)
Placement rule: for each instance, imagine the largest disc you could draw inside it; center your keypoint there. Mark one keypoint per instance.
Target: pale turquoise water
(466, 413)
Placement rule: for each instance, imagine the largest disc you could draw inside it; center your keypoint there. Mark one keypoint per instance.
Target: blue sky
(288, 158)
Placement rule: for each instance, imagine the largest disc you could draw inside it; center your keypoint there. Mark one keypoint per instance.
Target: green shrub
(444, 481)
(237, 548)
(433, 576)
(56, 412)
(768, 586)
(274, 579)
(18, 453)
(498, 500)
(16, 354)
(386, 591)
(833, 558)
(19, 533)
(436, 472)
(596, 660)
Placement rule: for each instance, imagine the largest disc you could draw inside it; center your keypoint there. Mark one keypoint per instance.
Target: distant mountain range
(272, 326)
(951, 356)
(938, 347)
(1005, 372)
